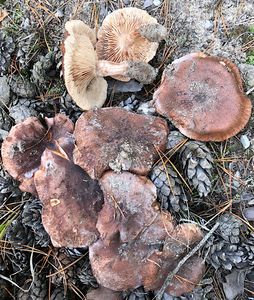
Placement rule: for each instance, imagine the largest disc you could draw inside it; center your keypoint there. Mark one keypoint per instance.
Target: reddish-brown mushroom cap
(119, 37)
(103, 293)
(188, 277)
(71, 200)
(117, 139)
(203, 97)
(136, 245)
(23, 147)
(130, 205)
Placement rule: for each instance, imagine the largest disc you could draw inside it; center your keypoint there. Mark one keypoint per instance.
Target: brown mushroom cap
(79, 65)
(117, 139)
(103, 293)
(138, 245)
(203, 97)
(119, 38)
(71, 200)
(23, 147)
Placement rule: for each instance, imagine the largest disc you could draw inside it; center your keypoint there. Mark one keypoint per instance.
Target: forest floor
(31, 32)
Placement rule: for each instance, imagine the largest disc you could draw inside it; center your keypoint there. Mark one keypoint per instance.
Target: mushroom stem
(140, 71)
(153, 32)
(109, 68)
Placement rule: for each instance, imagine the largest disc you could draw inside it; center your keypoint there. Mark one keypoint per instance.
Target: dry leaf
(3, 15)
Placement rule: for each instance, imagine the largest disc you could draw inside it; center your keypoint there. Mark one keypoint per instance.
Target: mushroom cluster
(127, 41)
(92, 183)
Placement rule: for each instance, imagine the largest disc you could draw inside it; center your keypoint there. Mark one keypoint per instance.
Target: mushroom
(117, 139)
(136, 239)
(103, 293)
(23, 147)
(71, 200)
(83, 73)
(129, 34)
(203, 97)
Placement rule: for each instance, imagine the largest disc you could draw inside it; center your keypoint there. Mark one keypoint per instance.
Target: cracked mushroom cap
(71, 200)
(203, 97)
(135, 237)
(113, 138)
(23, 147)
(79, 66)
(119, 37)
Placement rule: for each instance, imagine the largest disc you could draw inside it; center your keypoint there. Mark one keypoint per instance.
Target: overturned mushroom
(129, 34)
(203, 97)
(83, 73)
(117, 139)
(23, 147)
(138, 244)
(71, 200)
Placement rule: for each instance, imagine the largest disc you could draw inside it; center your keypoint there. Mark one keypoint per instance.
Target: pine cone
(8, 187)
(31, 217)
(38, 290)
(137, 294)
(175, 138)
(227, 256)
(19, 260)
(130, 104)
(230, 228)
(197, 164)
(69, 108)
(4, 288)
(7, 47)
(42, 69)
(170, 189)
(62, 261)
(19, 233)
(85, 274)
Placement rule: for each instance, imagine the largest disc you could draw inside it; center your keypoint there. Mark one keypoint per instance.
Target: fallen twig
(182, 262)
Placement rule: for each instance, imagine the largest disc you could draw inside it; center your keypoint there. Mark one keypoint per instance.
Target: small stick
(182, 262)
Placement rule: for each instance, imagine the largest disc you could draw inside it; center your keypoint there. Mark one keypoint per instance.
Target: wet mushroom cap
(71, 200)
(79, 66)
(138, 244)
(119, 38)
(113, 138)
(23, 147)
(203, 97)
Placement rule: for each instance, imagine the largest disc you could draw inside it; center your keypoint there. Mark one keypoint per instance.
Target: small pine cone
(130, 104)
(4, 288)
(7, 47)
(38, 290)
(146, 108)
(69, 108)
(19, 260)
(42, 69)
(197, 164)
(62, 261)
(137, 294)
(170, 189)
(31, 217)
(175, 138)
(8, 188)
(226, 256)
(20, 234)
(85, 274)
(230, 228)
